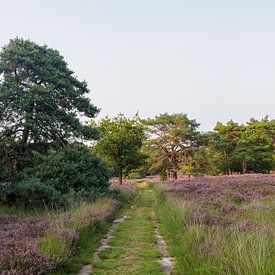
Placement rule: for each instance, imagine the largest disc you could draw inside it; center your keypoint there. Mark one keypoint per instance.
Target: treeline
(172, 143)
(44, 153)
(229, 148)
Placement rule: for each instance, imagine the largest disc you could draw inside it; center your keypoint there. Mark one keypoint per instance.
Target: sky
(214, 60)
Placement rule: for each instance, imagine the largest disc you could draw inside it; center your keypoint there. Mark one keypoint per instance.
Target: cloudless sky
(214, 60)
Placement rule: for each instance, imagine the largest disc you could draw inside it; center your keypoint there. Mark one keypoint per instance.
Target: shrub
(59, 179)
(73, 168)
(33, 193)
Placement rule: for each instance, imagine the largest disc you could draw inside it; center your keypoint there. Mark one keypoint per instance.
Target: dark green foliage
(61, 177)
(32, 192)
(254, 149)
(40, 101)
(75, 168)
(42, 93)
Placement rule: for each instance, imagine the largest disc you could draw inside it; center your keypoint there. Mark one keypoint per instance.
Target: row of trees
(168, 144)
(244, 148)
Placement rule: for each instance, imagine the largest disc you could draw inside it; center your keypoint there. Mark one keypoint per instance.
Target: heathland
(57, 198)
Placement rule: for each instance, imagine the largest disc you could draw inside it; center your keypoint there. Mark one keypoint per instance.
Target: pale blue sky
(214, 60)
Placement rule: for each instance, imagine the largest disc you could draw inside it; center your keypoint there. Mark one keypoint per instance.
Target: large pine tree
(41, 100)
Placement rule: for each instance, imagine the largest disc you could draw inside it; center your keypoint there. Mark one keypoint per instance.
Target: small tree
(175, 136)
(121, 143)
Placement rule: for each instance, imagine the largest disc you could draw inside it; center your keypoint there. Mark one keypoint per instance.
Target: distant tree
(41, 100)
(244, 148)
(225, 138)
(175, 136)
(156, 163)
(254, 149)
(121, 144)
(203, 160)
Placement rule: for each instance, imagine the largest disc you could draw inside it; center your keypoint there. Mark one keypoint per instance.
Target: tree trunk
(244, 167)
(25, 136)
(174, 166)
(175, 175)
(120, 175)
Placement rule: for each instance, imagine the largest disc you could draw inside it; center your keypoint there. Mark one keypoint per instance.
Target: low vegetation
(37, 245)
(48, 240)
(220, 225)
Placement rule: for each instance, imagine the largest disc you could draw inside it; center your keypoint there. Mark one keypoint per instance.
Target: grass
(133, 246)
(23, 213)
(55, 249)
(88, 223)
(201, 249)
(89, 240)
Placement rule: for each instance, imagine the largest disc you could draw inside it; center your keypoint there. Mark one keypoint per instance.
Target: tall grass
(219, 249)
(36, 242)
(62, 235)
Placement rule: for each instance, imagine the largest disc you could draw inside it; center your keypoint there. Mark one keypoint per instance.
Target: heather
(119, 190)
(220, 225)
(37, 245)
(19, 252)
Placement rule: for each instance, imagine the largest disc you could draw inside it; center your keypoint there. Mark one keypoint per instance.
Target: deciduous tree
(121, 144)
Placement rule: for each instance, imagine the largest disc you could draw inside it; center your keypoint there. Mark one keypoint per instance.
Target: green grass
(55, 249)
(203, 249)
(133, 246)
(89, 240)
(23, 213)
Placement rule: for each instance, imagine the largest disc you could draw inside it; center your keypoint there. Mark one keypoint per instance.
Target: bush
(33, 193)
(75, 168)
(59, 179)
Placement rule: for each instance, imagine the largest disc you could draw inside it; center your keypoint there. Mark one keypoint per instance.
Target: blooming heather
(214, 201)
(18, 251)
